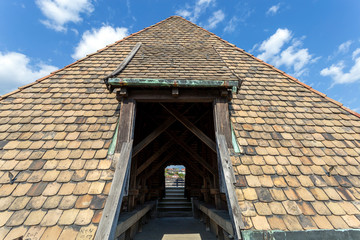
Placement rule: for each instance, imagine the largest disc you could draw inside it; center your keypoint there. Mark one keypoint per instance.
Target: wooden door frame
(123, 155)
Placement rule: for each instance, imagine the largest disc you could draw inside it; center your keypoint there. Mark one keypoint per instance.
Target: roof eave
(147, 82)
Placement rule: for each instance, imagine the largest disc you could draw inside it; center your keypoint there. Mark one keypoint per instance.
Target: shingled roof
(300, 151)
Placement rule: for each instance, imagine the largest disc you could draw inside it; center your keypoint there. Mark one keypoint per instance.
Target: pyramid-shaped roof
(298, 168)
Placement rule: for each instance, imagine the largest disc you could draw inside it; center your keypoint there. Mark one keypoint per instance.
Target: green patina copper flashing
(113, 141)
(234, 140)
(331, 234)
(171, 83)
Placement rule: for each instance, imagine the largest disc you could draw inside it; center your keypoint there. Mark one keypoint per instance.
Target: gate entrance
(175, 176)
(193, 134)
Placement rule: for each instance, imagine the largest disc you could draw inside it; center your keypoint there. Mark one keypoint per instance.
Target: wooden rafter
(154, 134)
(165, 147)
(193, 166)
(189, 125)
(157, 166)
(191, 152)
(153, 157)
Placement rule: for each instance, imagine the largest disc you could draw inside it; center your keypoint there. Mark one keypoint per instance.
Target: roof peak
(201, 29)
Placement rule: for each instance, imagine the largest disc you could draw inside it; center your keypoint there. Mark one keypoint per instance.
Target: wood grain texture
(232, 201)
(154, 134)
(189, 125)
(192, 153)
(108, 222)
(126, 123)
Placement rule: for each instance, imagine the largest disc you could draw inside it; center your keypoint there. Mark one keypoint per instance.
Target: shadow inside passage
(174, 228)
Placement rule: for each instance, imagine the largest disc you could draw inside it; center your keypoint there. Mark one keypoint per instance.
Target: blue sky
(316, 41)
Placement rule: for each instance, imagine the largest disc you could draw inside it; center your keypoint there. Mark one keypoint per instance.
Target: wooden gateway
(174, 111)
(83, 150)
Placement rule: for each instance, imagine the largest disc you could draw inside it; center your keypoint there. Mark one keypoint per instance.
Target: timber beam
(157, 166)
(154, 134)
(171, 95)
(192, 153)
(153, 157)
(191, 127)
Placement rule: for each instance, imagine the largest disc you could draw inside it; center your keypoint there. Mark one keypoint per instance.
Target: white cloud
(184, 13)
(193, 13)
(61, 12)
(16, 70)
(278, 52)
(230, 27)
(97, 39)
(273, 9)
(335, 71)
(355, 53)
(216, 18)
(273, 44)
(344, 47)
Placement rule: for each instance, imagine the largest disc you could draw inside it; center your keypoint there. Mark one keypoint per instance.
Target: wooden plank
(153, 157)
(232, 201)
(125, 62)
(220, 217)
(191, 152)
(222, 126)
(147, 140)
(126, 123)
(127, 220)
(165, 95)
(222, 119)
(108, 222)
(189, 125)
(192, 166)
(159, 165)
(164, 147)
(154, 134)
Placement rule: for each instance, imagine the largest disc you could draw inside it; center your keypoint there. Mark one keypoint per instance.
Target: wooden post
(222, 126)
(133, 190)
(220, 233)
(227, 172)
(207, 223)
(122, 164)
(108, 222)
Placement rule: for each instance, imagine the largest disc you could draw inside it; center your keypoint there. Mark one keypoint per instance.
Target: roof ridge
(81, 59)
(281, 72)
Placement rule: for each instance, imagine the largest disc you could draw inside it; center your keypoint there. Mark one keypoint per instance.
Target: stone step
(174, 207)
(170, 199)
(174, 194)
(174, 190)
(175, 214)
(174, 204)
(170, 204)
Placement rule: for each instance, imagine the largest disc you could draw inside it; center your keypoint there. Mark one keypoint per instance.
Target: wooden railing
(130, 223)
(211, 216)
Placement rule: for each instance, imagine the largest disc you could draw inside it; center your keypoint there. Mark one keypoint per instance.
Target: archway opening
(175, 176)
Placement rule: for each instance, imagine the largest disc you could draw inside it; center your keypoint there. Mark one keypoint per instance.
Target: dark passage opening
(174, 134)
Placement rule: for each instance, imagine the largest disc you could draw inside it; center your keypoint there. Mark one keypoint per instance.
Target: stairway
(174, 204)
